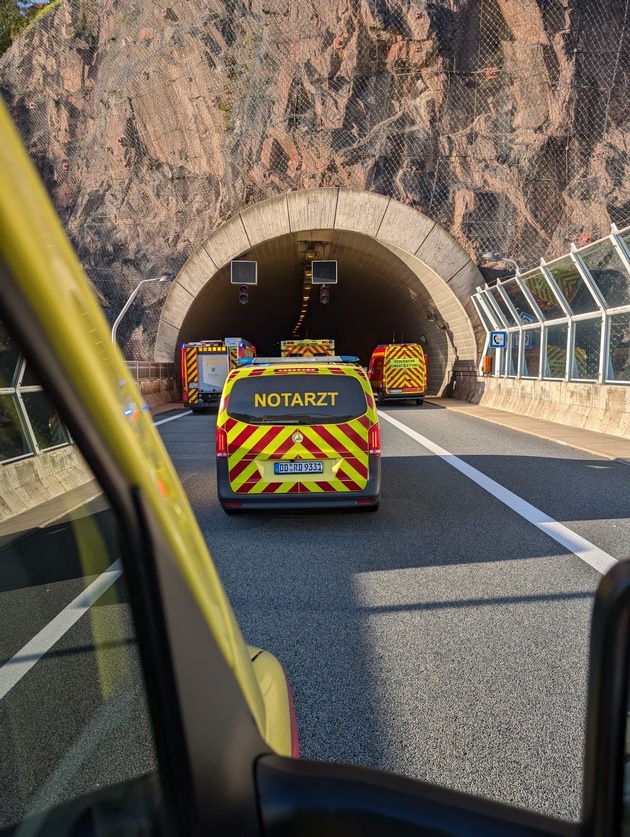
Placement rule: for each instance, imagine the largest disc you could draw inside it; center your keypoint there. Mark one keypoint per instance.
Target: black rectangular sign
(324, 272)
(244, 272)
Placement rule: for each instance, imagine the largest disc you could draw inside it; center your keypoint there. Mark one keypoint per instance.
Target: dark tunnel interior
(378, 299)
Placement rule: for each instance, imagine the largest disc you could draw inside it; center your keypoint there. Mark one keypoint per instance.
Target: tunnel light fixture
(310, 253)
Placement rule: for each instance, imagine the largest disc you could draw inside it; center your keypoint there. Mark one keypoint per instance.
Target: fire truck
(307, 348)
(205, 365)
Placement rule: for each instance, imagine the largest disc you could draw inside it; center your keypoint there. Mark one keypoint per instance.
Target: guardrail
(143, 370)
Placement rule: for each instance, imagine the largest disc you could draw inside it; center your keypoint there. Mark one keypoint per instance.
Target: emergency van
(398, 371)
(298, 433)
(307, 348)
(205, 365)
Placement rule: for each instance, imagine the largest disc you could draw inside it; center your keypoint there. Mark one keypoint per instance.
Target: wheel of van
(419, 401)
(229, 511)
(373, 508)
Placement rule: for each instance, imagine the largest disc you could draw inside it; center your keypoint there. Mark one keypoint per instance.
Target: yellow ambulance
(295, 433)
(307, 348)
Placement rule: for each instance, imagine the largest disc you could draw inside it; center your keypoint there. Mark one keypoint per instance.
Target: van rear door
(404, 370)
(317, 423)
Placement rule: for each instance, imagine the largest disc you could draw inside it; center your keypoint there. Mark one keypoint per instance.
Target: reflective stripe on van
(338, 452)
(341, 448)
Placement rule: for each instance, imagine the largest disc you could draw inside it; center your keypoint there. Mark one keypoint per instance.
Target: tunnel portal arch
(397, 264)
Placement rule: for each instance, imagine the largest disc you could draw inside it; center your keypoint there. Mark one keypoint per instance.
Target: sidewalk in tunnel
(598, 444)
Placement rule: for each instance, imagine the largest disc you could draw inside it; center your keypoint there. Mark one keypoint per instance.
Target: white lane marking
(172, 418)
(22, 662)
(588, 552)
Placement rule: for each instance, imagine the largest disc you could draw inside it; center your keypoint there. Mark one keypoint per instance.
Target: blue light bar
(349, 358)
(245, 361)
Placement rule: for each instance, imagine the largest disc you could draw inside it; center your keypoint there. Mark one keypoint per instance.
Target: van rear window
(297, 399)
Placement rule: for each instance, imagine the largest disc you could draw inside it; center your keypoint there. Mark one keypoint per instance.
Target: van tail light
(221, 443)
(374, 439)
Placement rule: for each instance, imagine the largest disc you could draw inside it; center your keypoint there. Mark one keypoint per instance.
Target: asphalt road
(444, 637)
(77, 720)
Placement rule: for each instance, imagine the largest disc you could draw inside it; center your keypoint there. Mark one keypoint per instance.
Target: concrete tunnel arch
(401, 275)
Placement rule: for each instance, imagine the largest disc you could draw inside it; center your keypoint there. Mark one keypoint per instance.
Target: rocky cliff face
(153, 122)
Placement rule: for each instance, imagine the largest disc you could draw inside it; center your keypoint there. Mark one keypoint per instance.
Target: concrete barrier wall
(36, 490)
(158, 391)
(604, 408)
(43, 487)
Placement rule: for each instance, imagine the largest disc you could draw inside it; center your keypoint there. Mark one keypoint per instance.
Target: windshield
(297, 399)
(447, 158)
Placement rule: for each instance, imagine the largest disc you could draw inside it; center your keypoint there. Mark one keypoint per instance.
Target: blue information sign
(498, 339)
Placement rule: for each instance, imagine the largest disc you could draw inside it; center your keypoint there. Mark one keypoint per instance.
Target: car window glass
(300, 398)
(29, 422)
(73, 711)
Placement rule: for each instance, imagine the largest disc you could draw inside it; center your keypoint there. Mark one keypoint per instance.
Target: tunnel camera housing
(324, 272)
(244, 272)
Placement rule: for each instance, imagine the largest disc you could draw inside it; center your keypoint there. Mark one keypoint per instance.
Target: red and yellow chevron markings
(191, 368)
(405, 368)
(253, 448)
(307, 348)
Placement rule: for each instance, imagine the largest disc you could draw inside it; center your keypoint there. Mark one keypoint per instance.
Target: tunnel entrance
(389, 289)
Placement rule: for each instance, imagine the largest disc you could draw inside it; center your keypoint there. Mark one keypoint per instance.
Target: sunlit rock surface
(152, 123)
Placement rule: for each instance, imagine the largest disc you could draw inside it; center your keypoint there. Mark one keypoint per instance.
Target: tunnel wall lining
(442, 266)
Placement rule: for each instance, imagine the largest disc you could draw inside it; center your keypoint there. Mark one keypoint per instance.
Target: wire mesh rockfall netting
(506, 121)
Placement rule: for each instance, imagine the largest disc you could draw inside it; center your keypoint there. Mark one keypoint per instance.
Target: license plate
(298, 468)
(395, 390)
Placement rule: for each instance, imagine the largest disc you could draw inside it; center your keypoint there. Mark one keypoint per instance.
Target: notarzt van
(398, 371)
(298, 433)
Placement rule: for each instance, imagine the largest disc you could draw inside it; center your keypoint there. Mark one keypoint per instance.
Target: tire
(229, 511)
(373, 508)
(419, 401)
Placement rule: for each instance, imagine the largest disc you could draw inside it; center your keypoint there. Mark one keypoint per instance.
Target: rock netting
(153, 122)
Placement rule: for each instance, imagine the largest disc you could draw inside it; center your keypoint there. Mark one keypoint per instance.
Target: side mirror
(607, 728)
